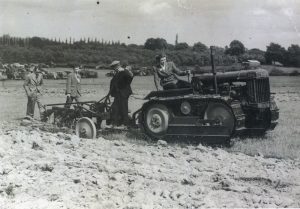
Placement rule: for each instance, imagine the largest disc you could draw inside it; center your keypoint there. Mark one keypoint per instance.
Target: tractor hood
(241, 75)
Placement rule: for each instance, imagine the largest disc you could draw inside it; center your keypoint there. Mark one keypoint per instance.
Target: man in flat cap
(32, 85)
(73, 87)
(120, 89)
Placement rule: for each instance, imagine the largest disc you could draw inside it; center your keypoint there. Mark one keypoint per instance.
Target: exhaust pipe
(213, 69)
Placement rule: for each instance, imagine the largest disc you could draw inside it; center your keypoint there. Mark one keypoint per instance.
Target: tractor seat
(169, 93)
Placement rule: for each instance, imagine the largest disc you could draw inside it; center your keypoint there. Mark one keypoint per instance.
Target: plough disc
(85, 128)
(61, 117)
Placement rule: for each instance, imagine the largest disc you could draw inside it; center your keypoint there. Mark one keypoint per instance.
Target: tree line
(92, 52)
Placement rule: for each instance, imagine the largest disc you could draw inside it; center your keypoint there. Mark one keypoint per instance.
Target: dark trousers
(170, 86)
(70, 100)
(32, 99)
(119, 111)
(179, 85)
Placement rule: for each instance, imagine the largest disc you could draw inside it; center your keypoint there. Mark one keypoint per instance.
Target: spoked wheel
(85, 128)
(222, 114)
(156, 120)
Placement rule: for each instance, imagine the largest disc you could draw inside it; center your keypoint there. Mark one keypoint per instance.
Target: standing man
(32, 85)
(167, 73)
(73, 87)
(120, 89)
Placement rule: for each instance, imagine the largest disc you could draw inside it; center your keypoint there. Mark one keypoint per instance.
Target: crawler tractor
(217, 107)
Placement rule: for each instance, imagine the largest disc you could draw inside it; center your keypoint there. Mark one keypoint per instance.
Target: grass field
(283, 142)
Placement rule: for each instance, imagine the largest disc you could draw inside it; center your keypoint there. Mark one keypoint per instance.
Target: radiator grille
(258, 90)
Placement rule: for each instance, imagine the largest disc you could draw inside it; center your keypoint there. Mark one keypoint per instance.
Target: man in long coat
(73, 88)
(32, 85)
(120, 89)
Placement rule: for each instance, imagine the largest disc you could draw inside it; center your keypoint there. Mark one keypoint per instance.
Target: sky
(213, 22)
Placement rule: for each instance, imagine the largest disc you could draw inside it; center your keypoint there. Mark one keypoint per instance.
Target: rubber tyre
(221, 112)
(85, 128)
(156, 121)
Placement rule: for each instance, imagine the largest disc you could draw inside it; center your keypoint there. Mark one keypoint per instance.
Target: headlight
(273, 105)
(185, 108)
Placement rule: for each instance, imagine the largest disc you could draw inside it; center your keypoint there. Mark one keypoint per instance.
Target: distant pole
(213, 68)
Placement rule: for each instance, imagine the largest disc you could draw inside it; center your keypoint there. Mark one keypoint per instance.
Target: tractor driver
(167, 72)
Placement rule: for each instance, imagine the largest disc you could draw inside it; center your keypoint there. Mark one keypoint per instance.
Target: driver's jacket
(167, 75)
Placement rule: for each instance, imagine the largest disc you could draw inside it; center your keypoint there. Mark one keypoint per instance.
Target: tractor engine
(250, 88)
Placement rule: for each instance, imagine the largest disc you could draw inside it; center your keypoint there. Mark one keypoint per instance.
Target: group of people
(165, 75)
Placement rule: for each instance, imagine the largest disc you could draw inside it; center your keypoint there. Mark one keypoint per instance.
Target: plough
(85, 117)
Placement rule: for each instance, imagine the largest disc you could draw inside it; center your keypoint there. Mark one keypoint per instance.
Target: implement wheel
(85, 128)
(156, 120)
(221, 113)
